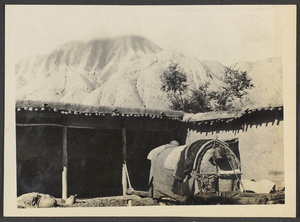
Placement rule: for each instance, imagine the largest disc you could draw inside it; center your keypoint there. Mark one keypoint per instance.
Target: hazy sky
(224, 33)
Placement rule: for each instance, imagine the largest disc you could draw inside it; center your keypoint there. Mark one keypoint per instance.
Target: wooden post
(124, 153)
(65, 165)
(124, 167)
(124, 182)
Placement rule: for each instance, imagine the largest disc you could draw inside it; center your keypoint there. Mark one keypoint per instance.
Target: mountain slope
(267, 79)
(125, 71)
(141, 79)
(78, 66)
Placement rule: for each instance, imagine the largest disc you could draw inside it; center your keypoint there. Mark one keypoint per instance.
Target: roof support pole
(65, 165)
(124, 154)
(124, 168)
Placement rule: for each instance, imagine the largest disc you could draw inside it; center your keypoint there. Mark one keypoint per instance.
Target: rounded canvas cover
(171, 167)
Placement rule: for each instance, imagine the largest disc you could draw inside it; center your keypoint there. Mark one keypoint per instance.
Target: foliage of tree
(236, 84)
(174, 79)
(182, 98)
(174, 83)
(198, 101)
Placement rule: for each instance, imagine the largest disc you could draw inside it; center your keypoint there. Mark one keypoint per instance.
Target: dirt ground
(36, 200)
(116, 201)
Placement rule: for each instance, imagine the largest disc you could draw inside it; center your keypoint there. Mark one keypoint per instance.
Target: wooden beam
(137, 192)
(85, 127)
(53, 124)
(124, 181)
(124, 154)
(65, 165)
(39, 124)
(124, 145)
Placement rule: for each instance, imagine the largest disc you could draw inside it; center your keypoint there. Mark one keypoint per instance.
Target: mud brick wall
(261, 149)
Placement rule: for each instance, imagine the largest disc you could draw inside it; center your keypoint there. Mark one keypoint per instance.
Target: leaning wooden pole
(124, 154)
(65, 165)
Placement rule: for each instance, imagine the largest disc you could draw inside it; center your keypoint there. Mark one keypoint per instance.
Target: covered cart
(206, 168)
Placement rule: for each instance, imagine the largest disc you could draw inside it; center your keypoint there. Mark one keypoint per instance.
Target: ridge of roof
(188, 117)
(76, 107)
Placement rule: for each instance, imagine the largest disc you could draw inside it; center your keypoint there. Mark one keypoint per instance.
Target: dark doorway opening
(94, 162)
(139, 144)
(39, 159)
(94, 159)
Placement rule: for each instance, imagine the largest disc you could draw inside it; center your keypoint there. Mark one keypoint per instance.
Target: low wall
(261, 149)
